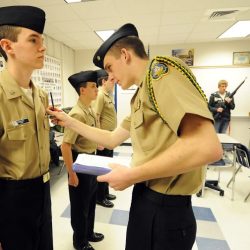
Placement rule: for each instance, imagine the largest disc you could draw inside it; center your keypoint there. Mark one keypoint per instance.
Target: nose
(43, 48)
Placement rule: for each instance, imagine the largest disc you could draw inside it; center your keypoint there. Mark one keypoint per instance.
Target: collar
(10, 86)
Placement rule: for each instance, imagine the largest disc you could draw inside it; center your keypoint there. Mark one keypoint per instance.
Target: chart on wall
(50, 79)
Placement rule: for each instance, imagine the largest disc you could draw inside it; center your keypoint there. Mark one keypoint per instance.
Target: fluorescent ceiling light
(72, 1)
(239, 29)
(104, 34)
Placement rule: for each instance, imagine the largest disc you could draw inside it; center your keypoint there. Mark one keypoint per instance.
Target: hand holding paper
(119, 178)
(95, 164)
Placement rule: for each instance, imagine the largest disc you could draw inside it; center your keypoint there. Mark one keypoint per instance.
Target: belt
(162, 199)
(38, 180)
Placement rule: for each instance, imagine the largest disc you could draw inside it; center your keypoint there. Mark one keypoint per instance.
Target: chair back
(242, 155)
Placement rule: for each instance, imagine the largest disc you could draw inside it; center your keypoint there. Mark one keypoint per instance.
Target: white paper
(97, 165)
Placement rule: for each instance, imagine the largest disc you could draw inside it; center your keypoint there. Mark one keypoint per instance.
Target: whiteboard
(208, 78)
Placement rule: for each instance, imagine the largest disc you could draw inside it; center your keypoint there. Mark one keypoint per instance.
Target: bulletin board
(49, 78)
(208, 78)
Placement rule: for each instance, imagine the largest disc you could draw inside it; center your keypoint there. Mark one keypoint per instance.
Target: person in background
(25, 202)
(82, 187)
(172, 136)
(220, 104)
(106, 117)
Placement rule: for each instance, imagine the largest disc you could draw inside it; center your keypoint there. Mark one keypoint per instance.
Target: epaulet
(159, 67)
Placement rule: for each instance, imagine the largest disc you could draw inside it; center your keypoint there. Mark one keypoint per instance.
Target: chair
(224, 162)
(213, 184)
(243, 159)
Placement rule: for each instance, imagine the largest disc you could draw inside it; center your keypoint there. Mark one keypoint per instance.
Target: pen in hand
(52, 101)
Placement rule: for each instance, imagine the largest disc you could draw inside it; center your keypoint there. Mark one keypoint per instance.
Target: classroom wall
(205, 54)
(84, 60)
(64, 53)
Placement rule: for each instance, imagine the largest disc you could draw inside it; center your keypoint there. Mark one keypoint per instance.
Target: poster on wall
(50, 79)
(186, 55)
(2, 63)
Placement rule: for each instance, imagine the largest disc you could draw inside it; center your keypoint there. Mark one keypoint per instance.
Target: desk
(229, 142)
(226, 139)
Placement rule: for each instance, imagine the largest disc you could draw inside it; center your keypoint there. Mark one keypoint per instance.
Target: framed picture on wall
(241, 58)
(186, 55)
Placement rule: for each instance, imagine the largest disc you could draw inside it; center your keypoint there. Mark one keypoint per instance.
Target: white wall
(67, 56)
(84, 60)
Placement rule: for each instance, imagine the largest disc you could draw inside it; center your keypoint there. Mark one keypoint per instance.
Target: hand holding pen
(52, 101)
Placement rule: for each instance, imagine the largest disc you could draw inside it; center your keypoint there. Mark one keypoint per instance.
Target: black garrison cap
(23, 16)
(101, 74)
(124, 31)
(83, 77)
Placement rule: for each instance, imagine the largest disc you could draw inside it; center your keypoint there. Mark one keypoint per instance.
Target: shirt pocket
(20, 133)
(142, 135)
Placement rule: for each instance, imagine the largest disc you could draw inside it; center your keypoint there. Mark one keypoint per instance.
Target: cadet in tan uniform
(104, 108)
(172, 135)
(25, 204)
(82, 187)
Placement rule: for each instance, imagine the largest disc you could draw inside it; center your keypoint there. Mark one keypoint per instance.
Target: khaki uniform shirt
(79, 143)
(176, 96)
(24, 131)
(105, 108)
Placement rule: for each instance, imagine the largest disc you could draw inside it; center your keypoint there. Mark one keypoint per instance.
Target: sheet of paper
(97, 165)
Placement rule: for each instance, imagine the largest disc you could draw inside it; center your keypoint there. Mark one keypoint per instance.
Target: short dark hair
(8, 32)
(130, 42)
(99, 80)
(82, 84)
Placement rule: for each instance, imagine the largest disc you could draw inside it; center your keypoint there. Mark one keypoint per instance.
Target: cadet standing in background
(25, 203)
(82, 187)
(104, 108)
(172, 135)
(220, 104)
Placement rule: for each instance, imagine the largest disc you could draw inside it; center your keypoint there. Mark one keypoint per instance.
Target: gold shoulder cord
(181, 69)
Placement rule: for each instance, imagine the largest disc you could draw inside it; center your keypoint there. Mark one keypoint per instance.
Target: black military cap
(124, 31)
(83, 77)
(101, 73)
(23, 16)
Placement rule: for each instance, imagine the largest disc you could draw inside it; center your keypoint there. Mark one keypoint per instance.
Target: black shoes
(105, 203)
(96, 237)
(110, 197)
(86, 247)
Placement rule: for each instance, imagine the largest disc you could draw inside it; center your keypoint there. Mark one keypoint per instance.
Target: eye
(108, 68)
(33, 40)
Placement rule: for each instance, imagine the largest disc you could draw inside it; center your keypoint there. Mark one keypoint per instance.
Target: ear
(125, 55)
(82, 90)
(6, 45)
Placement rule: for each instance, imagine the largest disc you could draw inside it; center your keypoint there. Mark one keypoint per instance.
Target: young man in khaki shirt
(172, 136)
(82, 187)
(104, 108)
(25, 204)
